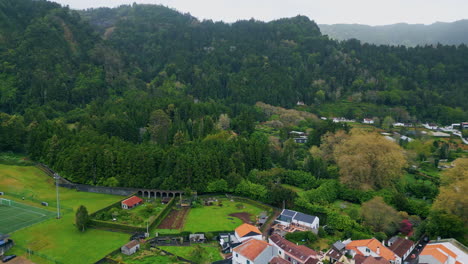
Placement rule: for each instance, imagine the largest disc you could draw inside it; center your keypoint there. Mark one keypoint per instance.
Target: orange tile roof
(442, 248)
(434, 252)
(372, 244)
(252, 248)
(244, 229)
(132, 201)
(278, 260)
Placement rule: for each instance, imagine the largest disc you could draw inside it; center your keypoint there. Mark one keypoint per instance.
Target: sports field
(58, 239)
(17, 216)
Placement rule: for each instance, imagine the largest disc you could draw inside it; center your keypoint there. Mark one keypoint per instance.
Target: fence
(35, 253)
(20, 196)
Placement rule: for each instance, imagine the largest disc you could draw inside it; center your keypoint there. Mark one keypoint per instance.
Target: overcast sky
(370, 12)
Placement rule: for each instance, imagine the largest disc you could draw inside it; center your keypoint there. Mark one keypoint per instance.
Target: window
(237, 255)
(367, 250)
(247, 262)
(279, 252)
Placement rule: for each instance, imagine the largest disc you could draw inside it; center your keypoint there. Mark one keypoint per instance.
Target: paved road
(416, 251)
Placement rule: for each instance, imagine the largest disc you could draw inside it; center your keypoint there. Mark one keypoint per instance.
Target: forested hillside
(144, 96)
(453, 33)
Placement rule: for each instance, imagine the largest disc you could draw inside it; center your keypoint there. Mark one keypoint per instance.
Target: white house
(372, 247)
(447, 251)
(430, 126)
(130, 248)
(401, 246)
(398, 124)
(368, 121)
(253, 251)
(288, 217)
(246, 231)
(293, 253)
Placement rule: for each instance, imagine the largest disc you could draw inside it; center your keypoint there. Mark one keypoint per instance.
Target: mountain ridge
(446, 33)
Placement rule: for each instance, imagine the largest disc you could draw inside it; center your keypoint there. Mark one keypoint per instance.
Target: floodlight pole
(56, 177)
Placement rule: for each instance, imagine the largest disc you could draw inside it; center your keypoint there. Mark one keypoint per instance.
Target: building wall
(242, 239)
(130, 251)
(239, 259)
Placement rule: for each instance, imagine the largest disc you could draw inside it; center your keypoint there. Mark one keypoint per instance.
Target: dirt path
(175, 219)
(245, 217)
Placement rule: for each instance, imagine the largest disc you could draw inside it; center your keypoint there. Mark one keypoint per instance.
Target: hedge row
(105, 224)
(160, 217)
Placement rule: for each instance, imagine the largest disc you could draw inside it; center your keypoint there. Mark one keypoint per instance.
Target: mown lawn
(58, 239)
(216, 218)
(211, 252)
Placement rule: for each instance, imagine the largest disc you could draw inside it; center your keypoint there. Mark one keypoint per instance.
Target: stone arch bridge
(150, 193)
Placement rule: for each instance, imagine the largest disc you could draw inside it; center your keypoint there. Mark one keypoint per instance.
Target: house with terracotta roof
(278, 260)
(296, 254)
(372, 247)
(246, 231)
(448, 251)
(131, 202)
(253, 251)
(358, 259)
(401, 246)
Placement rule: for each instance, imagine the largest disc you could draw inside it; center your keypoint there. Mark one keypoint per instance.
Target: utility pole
(57, 177)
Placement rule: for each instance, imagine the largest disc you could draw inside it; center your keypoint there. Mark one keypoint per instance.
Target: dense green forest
(143, 95)
(451, 33)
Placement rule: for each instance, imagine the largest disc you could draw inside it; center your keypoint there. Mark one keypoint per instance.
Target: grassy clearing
(211, 252)
(58, 239)
(216, 218)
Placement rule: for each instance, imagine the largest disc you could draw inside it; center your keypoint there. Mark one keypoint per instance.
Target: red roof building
(131, 202)
(292, 252)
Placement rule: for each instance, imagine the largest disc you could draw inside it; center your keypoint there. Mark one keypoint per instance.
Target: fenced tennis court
(15, 216)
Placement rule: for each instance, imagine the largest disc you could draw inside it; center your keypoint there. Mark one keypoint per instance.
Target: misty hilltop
(454, 33)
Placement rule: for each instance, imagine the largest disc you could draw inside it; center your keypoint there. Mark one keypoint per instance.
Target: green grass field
(58, 239)
(146, 257)
(216, 218)
(211, 252)
(14, 216)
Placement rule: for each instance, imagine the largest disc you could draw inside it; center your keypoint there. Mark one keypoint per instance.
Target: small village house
(447, 251)
(401, 246)
(336, 253)
(253, 251)
(294, 253)
(368, 121)
(246, 231)
(197, 238)
(131, 202)
(371, 247)
(297, 220)
(130, 248)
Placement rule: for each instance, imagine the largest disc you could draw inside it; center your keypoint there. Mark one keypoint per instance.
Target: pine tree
(82, 218)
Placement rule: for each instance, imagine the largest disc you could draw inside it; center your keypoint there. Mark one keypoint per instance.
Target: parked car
(8, 258)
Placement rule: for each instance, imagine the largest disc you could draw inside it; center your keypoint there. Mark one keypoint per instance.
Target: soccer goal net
(5, 202)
